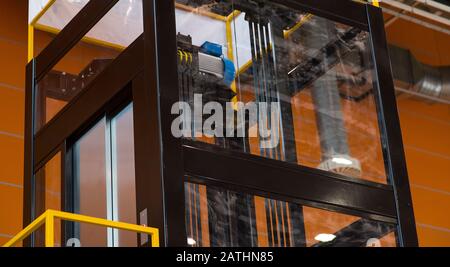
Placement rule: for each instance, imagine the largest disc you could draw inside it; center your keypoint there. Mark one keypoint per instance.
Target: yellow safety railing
(48, 218)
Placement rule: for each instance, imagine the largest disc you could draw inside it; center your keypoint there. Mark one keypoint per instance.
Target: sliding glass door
(104, 181)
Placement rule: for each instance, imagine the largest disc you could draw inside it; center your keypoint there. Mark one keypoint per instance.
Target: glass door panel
(123, 175)
(91, 196)
(79, 67)
(47, 195)
(104, 180)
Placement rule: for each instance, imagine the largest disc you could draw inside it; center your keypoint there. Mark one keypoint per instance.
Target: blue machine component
(229, 72)
(212, 49)
(210, 64)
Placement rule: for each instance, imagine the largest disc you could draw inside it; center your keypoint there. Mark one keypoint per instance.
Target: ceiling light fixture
(343, 161)
(191, 241)
(325, 237)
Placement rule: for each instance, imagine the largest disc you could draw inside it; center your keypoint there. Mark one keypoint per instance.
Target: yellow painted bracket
(48, 218)
(31, 29)
(304, 20)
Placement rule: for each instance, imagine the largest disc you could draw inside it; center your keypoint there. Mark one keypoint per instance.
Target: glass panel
(53, 20)
(124, 175)
(48, 195)
(119, 28)
(60, 13)
(90, 184)
(220, 218)
(92, 241)
(104, 182)
(298, 87)
(39, 237)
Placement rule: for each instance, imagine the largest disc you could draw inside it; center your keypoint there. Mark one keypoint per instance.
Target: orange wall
(13, 56)
(425, 128)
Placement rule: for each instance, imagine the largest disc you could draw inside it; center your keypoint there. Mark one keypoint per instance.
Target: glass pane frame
(345, 139)
(165, 91)
(218, 216)
(60, 170)
(112, 133)
(56, 67)
(123, 88)
(365, 17)
(48, 193)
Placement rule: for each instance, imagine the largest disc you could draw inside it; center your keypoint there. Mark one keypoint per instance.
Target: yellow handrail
(48, 218)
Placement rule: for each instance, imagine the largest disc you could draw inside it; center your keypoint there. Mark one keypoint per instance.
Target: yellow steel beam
(290, 31)
(286, 34)
(229, 32)
(245, 67)
(85, 39)
(50, 229)
(201, 12)
(31, 29)
(230, 50)
(42, 12)
(297, 26)
(30, 42)
(34, 25)
(372, 2)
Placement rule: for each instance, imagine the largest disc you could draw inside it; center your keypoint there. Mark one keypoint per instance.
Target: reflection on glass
(91, 185)
(118, 29)
(104, 182)
(123, 175)
(77, 242)
(220, 218)
(53, 20)
(47, 195)
(317, 72)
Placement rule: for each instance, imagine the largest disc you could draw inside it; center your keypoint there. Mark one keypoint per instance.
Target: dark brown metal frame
(164, 163)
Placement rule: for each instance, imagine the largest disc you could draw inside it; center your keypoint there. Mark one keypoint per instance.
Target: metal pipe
(325, 95)
(435, 4)
(418, 11)
(424, 79)
(416, 21)
(432, 98)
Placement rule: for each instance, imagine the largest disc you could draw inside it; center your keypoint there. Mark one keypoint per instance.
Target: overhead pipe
(417, 11)
(423, 78)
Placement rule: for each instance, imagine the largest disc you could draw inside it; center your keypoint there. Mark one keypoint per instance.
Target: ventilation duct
(325, 94)
(421, 78)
